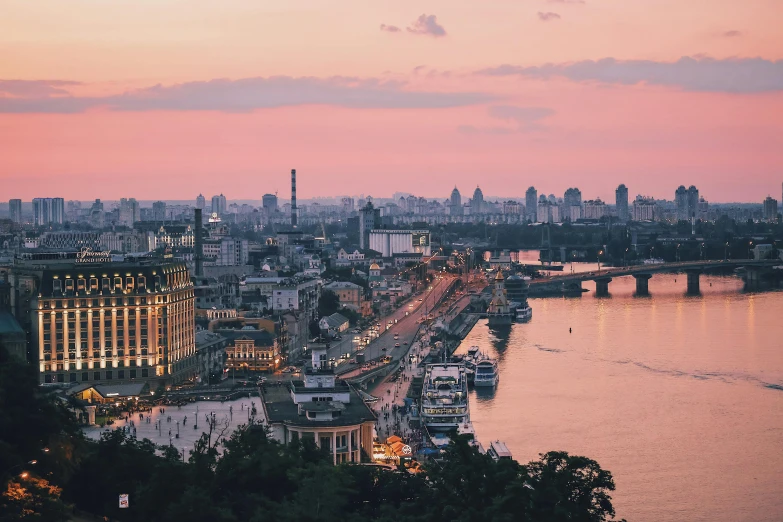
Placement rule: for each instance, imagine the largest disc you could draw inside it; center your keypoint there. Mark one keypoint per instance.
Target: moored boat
(498, 450)
(486, 372)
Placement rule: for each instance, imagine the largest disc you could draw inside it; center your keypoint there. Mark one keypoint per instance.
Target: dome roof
(374, 266)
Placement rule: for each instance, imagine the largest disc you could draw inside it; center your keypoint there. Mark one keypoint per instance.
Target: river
(681, 398)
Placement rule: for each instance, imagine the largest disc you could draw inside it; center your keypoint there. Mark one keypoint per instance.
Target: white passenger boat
(486, 372)
(524, 314)
(444, 397)
(498, 450)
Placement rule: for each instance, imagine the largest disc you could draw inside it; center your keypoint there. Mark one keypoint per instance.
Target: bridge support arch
(642, 284)
(602, 286)
(693, 275)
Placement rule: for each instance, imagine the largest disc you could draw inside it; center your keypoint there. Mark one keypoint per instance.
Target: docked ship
(486, 372)
(498, 450)
(517, 289)
(444, 397)
(499, 312)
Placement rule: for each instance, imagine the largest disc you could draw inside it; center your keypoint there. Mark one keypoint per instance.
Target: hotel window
(81, 284)
(142, 283)
(93, 284)
(145, 372)
(129, 284)
(120, 374)
(96, 376)
(85, 376)
(118, 284)
(57, 286)
(108, 375)
(133, 374)
(69, 286)
(96, 355)
(106, 284)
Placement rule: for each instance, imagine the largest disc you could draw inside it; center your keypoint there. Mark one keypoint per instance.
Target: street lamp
(677, 252)
(726, 251)
(750, 246)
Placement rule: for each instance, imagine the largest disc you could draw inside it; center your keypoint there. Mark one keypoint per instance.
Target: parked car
(396, 345)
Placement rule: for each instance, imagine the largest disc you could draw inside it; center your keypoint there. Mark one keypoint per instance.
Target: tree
(328, 303)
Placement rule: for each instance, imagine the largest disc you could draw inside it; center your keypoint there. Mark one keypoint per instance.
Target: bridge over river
(572, 283)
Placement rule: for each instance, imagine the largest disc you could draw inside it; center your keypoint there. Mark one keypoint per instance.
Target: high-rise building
(159, 211)
(348, 205)
(48, 211)
(681, 203)
(693, 202)
(644, 209)
(369, 218)
(130, 321)
(201, 202)
(15, 210)
(770, 209)
(455, 203)
(595, 209)
(129, 212)
(269, 203)
(621, 203)
(477, 203)
(219, 204)
(572, 204)
(547, 211)
(531, 204)
(96, 214)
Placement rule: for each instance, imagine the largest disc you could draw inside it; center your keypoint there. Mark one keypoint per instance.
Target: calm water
(681, 398)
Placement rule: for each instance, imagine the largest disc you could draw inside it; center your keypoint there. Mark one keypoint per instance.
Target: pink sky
(166, 99)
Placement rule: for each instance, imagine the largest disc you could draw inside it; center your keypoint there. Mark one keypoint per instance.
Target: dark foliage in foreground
(256, 479)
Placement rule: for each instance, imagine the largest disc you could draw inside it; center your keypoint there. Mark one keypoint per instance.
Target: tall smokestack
(199, 255)
(293, 197)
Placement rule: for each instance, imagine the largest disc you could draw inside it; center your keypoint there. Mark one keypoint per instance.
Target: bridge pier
(602, 286)
(642, 284)
(693, 280)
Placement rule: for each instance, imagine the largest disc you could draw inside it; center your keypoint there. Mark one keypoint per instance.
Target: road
(405, 328)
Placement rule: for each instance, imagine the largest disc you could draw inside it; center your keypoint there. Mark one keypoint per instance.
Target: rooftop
(279, 408)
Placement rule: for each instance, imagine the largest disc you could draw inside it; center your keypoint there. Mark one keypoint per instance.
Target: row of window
(88, 285)
(106, 301)
(259, 355)
(108, 375)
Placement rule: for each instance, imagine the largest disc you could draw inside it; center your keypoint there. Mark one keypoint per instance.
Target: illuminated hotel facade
(105, 321)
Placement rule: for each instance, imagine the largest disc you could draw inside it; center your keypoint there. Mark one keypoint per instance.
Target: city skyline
(415, 95)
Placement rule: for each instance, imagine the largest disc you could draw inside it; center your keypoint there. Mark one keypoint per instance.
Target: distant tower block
(293, 197)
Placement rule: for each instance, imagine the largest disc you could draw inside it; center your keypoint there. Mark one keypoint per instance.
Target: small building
(334, 323)
(210, 356)
(108, 393)
(251, 350)
(350, 294)
(323, 409)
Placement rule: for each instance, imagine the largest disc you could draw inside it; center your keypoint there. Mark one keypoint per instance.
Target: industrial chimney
(199, 254)
(293, 197)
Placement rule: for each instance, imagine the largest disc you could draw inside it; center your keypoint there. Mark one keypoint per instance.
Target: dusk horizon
(544, 93)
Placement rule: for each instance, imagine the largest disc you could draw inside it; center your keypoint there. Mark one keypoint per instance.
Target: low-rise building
(210, 356)
(323, 409)
(350, 294)
(251, 350)
(334, 324)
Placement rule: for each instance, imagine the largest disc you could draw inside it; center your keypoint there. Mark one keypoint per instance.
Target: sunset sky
(166, 99)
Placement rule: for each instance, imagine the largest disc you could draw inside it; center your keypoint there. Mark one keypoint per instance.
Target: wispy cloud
(35, 88)
(733, 75)
(523, 119)
(546, 17)
(249, 94)
(526, 118)
(428, 25)
(390, 28)
(732, 34)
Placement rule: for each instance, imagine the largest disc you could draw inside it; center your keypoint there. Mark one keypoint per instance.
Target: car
(405, 343)
(338, 338)
(420, 299)
(287, 370)
(396, 345)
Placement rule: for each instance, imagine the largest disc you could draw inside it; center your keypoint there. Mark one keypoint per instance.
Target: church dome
(374, 266)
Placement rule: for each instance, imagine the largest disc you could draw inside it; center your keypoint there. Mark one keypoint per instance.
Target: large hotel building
(92, 320)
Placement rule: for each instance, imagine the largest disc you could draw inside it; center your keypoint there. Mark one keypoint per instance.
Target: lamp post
(750, 246)
(726, 251)
(677, 252)
(600, 253)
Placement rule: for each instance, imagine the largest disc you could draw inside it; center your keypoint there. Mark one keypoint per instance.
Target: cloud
(732, 34)
(565, 1)
(248, 94)
(545, 17)
(390, 28)
(427, 24)
(704, 74)
(35, 88)
(523, 119)
(526, 118)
